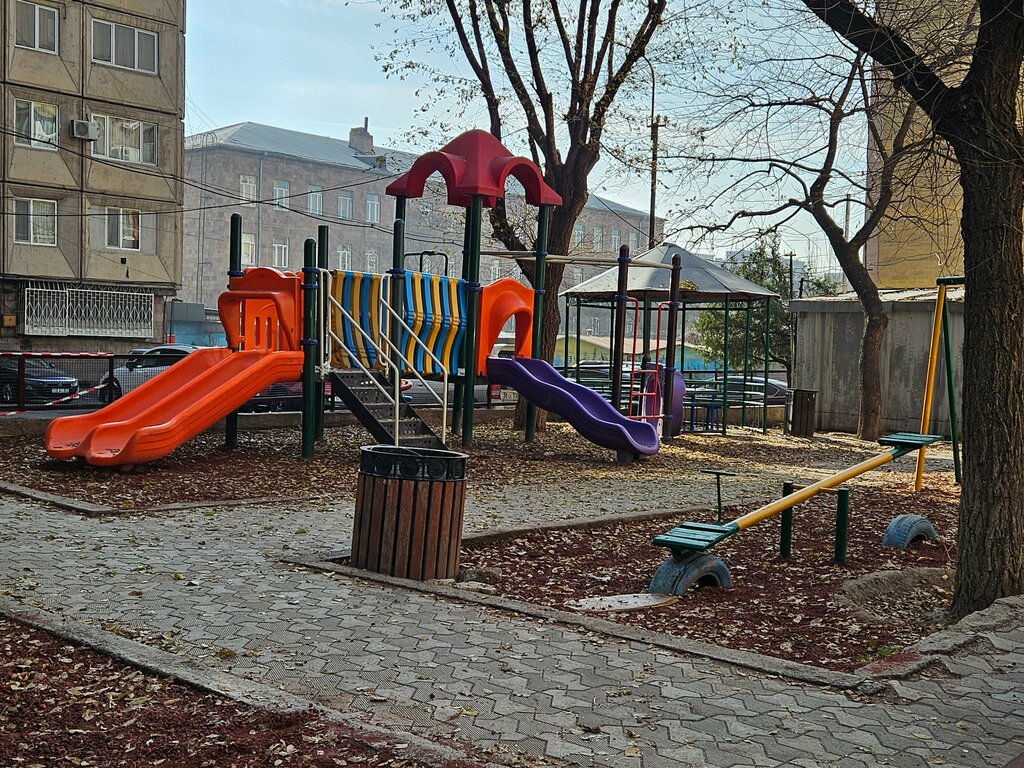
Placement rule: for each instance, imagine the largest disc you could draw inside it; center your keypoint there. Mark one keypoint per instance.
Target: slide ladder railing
(331, 340)
(393, 317)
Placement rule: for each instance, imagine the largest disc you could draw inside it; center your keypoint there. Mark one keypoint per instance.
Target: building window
(36, 27)
(35, 124)
(344, 205)
(122, 46)
(426, 209)
(616, 241)
(372, 260)
(425, 264)
(634, 242)
(131, 141)
(281, 253)
(577, 276)
(577, 235)
(35, 221)
(281, 193)
(595, 327)
(247, 189)
(373, 208)
(495, 270)
(248, 249)
(345, 258)
(597, 237)
(315, 200)
(123, 228)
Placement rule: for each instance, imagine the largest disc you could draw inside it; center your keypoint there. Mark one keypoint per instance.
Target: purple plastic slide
(588, 413)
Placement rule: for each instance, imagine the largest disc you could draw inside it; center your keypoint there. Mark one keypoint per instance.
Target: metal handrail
(441, 399)
(330, 337)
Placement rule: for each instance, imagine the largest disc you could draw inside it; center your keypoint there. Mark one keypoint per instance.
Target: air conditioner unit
(131, 154)
(84, 129)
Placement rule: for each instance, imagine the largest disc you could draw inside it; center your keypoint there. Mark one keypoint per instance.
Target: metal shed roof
(713, 282)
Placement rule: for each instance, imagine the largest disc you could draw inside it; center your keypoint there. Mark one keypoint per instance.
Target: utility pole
(656, 123)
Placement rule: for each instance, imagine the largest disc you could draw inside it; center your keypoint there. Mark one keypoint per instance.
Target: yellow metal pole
(929, 384)
(768, 510)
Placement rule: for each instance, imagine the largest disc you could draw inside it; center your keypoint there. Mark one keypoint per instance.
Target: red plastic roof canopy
(475, 163)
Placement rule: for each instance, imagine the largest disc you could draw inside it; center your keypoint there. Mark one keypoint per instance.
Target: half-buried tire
(698, 570)
(905, 530)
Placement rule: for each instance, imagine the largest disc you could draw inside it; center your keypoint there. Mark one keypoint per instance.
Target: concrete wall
(828, 352)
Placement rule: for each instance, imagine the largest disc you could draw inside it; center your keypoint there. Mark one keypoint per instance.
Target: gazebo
(702, 286)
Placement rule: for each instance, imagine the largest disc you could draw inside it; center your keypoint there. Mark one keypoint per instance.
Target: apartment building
(286, 183)
(93, 94)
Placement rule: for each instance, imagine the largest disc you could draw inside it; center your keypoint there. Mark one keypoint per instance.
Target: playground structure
(365, 332)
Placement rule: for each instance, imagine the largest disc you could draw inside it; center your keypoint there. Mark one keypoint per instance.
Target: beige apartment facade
(91, 159)
(285, 184)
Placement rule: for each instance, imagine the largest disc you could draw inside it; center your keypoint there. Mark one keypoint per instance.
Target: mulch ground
(63, 705)
(793, 609)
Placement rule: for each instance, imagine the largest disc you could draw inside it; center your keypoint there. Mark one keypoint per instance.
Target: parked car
(44, 381)
(754, 388)
(419, 394)
(280, 397)
(141, 368)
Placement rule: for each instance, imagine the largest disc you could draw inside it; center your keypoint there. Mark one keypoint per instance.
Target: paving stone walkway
(211, 585)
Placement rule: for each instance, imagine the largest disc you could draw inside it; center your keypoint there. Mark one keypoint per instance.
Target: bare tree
(977, 111)
(781, 120)
(553, 67)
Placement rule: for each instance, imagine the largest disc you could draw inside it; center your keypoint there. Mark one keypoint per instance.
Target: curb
(790, 670)
(192, 673)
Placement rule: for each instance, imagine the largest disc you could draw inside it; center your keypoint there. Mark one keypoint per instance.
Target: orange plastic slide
(499, 301)
(151, 421)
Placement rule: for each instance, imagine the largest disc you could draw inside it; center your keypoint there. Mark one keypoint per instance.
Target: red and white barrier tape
(58, 401)
(56, 354)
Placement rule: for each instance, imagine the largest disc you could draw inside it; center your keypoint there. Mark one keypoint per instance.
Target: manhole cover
(620, 602)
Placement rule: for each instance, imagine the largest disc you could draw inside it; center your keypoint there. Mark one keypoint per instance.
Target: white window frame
(345, 258)
(577, 276)
(281, 253)
(33, 202)
(578, 234)
(373, 208)
(634, 242)
(137, 35)
(282, 191)
(616, 241)
(247, 189)
(47, 141)
(103, 147)
(597, 238)
(37, 13)
(372, 260)
(495, 269)
(249, 249)
(123, 216)
(426, 209)
(315, 200)
(344, 205)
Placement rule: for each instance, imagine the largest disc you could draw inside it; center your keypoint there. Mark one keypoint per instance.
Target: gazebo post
(725, 370)
(646, 327)
(746, 365)
(397, 273)
(565, 341)
(767, 352)
(578, 331)
(619, 340)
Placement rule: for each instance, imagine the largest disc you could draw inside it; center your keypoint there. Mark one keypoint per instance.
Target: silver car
(141, 368)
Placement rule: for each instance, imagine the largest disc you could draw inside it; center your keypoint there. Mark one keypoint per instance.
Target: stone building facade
(287, 183)
(91, 170)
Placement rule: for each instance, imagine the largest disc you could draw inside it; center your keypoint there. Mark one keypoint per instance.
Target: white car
(141, 368)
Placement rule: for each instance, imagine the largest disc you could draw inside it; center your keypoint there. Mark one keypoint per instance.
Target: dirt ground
(66, 705)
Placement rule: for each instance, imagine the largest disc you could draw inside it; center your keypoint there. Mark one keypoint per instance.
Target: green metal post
(767, 352)
(646, 346)
(578, 331)
(786, 537)
(842, 524)
(682, 337)
(323, 236)
(619, 340)
(540, 268)
(746, 366)
(397, 272)
(234, 270)
(725, 370)
(460, 385)
(309, 347)
(954, 429)
(472, 318)
(670, 348)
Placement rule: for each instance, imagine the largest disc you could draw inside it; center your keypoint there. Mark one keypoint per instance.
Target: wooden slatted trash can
(804, 413)
(409, 505)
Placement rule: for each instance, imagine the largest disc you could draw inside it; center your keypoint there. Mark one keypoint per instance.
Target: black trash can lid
(405, 463)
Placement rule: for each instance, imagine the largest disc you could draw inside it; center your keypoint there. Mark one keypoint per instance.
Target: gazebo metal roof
(712, 281)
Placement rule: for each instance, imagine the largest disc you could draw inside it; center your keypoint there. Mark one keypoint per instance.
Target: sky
(309, 65)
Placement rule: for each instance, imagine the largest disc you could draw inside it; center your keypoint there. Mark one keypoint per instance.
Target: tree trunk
(990, 555)
(869, 422)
